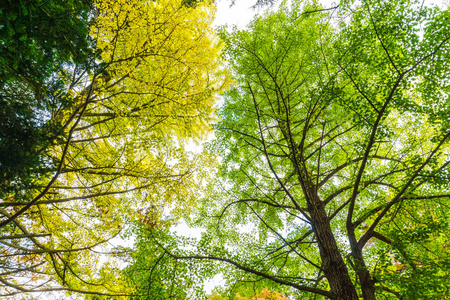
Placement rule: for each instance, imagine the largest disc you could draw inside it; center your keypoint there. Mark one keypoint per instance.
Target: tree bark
(367, 287)
(333, 265)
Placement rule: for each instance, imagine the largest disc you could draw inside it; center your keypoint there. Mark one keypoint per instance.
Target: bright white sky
(242, 12)
(239, 14)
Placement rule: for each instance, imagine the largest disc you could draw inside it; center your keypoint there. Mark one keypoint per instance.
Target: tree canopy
(335, 150)
(39, 40)
(121, 154)
(327, 177)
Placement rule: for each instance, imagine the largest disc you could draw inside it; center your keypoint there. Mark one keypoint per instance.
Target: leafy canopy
(334, 146)
(40, 41)
(122, 157)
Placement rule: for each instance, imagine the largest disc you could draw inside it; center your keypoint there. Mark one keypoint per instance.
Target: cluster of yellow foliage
(164, 58)
(154, 91)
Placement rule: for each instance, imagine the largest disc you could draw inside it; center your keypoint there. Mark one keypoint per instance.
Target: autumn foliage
(149, 91)
(264, 294)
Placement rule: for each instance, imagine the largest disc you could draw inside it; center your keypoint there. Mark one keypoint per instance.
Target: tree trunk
(333, 264)
(367, 287)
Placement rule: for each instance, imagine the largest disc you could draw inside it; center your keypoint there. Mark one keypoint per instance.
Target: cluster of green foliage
(40, 40)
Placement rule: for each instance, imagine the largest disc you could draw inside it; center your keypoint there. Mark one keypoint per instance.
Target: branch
(55, 289)
(381, 42)
(314, 11)
(283, 239)
(247, 269)
(390, 242)
(367, 152)
(397, 294)
(26, 207)
(398, 197)
(302, 211)
(22, 236)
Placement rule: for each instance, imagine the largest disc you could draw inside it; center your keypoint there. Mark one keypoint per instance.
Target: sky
(239, 14)
(242, 12)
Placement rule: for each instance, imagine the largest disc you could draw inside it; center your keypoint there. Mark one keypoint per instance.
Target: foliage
(333, 142)
(40, 40)
(265, 294)
(156, 274)
(334, 147)
(123, 157)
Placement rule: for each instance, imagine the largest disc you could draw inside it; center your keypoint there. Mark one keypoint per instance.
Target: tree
(40, 40)
(335, 153)
(122, 156)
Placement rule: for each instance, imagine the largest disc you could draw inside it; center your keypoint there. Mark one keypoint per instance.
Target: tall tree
(122, 156)
(335, 153)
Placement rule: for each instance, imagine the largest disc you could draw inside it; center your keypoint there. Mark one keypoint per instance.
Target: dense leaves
(40, 40)
(334, 147)
(150, 92)
(156, 274)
